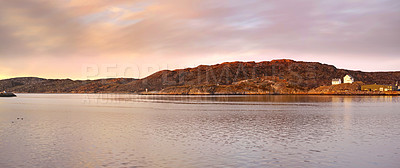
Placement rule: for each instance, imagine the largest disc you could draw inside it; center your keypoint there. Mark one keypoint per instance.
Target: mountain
(276, 76)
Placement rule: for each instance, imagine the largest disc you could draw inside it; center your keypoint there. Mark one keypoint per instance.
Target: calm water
(66, 130)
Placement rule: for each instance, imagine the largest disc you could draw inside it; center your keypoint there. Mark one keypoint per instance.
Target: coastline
(391, 93)
(360, 93)
(7, 95)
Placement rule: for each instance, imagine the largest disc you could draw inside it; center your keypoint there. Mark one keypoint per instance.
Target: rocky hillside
(262, 85)
(340, 88)
(277, 76)
(303, 75)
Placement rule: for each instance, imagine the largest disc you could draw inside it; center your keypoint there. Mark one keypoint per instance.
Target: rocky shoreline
(7, 95)
(267, 86)
(360, 93)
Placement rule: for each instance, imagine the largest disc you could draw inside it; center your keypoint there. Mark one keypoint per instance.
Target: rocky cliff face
(277, 76)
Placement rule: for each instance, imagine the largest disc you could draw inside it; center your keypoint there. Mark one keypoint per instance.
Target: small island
(7, 94)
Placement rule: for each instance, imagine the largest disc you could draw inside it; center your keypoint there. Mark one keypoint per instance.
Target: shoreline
(7, 95)
(381, 94)
(392, 93)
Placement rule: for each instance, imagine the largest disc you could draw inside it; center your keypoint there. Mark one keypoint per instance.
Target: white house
(348, 79)
(336, 81)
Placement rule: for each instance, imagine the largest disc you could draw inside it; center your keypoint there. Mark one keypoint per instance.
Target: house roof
(336, 79)
(349, 76)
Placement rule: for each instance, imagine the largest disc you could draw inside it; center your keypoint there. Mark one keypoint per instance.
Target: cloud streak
(76, 30)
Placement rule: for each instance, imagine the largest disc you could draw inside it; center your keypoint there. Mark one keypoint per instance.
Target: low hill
(40, 85)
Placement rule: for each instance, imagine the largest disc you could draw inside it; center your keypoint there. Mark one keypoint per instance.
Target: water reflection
(120, 130)
(240, 98)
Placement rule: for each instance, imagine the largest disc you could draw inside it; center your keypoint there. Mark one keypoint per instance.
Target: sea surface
(122, 130)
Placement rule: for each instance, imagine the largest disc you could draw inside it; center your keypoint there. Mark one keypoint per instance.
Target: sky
(133, 38)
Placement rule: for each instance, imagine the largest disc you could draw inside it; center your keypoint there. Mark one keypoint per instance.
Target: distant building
(336, 81)
(348, 79)
(376, 87)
